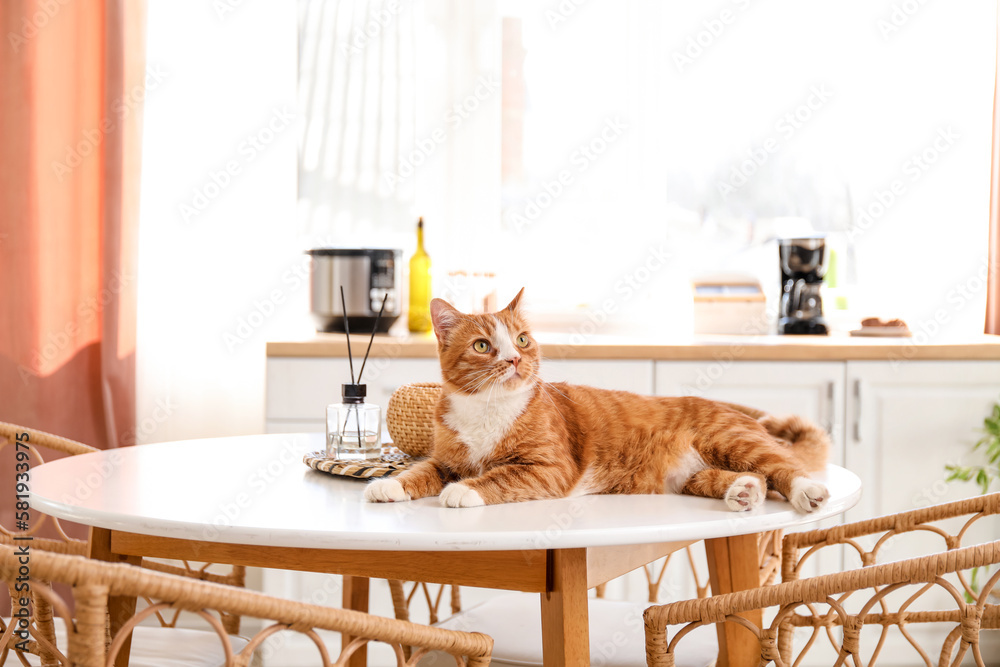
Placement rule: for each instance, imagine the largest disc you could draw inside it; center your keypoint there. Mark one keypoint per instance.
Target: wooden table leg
(733, 566)
(120, 607)
(355, 597)
(565, 633)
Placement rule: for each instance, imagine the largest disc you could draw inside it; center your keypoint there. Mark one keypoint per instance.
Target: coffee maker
(803, 266)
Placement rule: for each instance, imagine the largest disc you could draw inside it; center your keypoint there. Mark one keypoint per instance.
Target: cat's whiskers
(490, 385)
(483, 372)
(549, 385)
(478, 382)
(475, 376)
(489, 396)
(544, 387)
(495, 377)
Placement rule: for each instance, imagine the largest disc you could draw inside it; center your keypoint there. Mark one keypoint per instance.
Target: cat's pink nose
(515, 361)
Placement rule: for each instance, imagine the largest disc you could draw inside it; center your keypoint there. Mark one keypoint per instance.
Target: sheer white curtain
(281, 126)
(358, 80)
(400, 108)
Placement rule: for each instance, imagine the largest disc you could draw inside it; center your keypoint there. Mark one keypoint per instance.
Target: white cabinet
(908, 419)
(814, 390)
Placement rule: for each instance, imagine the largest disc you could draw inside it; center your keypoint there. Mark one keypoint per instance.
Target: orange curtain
(71, 90)
(993, 279)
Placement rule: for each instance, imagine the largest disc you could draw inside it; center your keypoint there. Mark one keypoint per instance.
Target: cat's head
(485, 352)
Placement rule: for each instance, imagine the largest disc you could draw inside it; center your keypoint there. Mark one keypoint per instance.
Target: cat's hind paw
(385, 491)
(457, 494)
(745, 494)
(807, 495)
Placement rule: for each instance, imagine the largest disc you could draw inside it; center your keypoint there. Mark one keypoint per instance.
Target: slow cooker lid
(349, 252)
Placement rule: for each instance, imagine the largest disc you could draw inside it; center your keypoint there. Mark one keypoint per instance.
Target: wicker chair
(33, 451)
(842, 605)
(93, 582)
(433, 595)
(9, 435)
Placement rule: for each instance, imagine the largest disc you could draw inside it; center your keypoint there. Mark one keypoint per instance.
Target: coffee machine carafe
(803, 266)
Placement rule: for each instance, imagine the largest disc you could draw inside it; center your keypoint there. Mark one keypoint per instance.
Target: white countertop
(256, 490)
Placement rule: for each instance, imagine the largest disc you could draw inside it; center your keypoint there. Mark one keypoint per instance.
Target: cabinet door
(625, 375)
(906, 421)
(299, 389)
(814, 390)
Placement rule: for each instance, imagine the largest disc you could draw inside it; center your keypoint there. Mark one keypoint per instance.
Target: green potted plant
(984, 474)
(989, 472)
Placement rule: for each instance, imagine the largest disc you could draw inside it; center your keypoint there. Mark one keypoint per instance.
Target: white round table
(256, 490)
(251, 500)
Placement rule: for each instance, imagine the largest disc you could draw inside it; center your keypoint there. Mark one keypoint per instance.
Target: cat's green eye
(522, 341)
(481, 346)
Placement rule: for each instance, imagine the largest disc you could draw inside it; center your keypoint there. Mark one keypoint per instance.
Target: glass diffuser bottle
(353, 427)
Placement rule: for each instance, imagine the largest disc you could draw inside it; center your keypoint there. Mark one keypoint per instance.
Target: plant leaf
(983, 480)
(989, 443)
(959, 472)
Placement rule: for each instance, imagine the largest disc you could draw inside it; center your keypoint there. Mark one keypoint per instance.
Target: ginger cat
(503, 435)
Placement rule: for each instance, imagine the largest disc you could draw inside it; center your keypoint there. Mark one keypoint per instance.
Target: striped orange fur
(503, 435)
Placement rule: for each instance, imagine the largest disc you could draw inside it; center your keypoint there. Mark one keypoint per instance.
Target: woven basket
(410, 417)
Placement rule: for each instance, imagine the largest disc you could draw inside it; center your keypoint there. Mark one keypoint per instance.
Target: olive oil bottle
(419, 319)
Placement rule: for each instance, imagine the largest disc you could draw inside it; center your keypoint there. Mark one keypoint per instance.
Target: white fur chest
(481, 420)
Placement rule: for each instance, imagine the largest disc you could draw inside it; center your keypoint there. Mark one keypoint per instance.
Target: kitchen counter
(745, 348)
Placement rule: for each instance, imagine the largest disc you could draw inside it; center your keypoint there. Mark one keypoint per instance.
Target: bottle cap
(353, 393)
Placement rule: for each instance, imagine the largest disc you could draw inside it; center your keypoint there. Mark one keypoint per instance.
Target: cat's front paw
(745, 494)
(807, 495)
(385, 491)
(457, 494)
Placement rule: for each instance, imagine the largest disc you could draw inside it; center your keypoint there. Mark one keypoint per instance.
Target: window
(632, 146)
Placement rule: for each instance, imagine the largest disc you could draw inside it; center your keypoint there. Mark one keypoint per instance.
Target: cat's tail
(809, 443)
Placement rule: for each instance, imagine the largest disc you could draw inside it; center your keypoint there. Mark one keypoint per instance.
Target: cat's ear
(444, 316)
(513, 305)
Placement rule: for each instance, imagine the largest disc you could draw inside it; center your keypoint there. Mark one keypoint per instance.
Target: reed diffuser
(354, 427)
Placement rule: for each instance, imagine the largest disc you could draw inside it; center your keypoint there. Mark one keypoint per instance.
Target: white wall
(219, 267)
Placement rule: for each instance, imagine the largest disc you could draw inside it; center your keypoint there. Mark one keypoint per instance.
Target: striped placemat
(392, 462)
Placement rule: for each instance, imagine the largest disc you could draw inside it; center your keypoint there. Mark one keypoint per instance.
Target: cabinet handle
(857, 411)
(829, 406)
